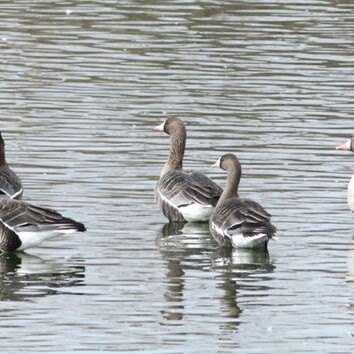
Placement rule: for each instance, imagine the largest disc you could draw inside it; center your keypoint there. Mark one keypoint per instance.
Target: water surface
(84, 82)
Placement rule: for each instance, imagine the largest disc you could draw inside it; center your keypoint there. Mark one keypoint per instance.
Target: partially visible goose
(183, 195)
(23, 225)
(238, 222)
(10, 184)
(349, 146)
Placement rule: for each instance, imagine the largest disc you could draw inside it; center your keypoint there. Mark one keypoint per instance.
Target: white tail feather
(240, 241)
(32, 239)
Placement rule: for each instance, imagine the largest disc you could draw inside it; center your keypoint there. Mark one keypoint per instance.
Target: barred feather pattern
(238, 216)
(17, 217)
(177, 189)
(10, 184)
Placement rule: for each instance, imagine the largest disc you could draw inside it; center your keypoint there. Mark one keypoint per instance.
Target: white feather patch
(196, 212)
(217, 229)
(32, 239)
(240, 241)
(192, 212)
(17, 193)
(168, 201)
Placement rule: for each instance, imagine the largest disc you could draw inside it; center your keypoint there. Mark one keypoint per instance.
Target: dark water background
(82, 84)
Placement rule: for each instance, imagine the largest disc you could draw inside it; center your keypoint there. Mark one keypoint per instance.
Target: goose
(183, 196)
(349, 146)
(10, 184)
(23, 225)
(238, 222)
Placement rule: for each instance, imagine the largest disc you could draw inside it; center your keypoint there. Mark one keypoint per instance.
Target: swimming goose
(10, 184)
(238, 222)
(349, 146)
(23, 225)
(183, 195)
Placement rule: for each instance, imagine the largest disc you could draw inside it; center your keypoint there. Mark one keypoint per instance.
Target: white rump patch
(32, 239)
(196, 212)
(240, 241)
(192, 212)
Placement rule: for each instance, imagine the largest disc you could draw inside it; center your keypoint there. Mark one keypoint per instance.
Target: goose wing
(19, 216)
(182, 188)
(10, 184)
(242, 216)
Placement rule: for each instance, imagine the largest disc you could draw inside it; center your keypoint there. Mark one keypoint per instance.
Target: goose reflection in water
(189, 250)
(24, 276)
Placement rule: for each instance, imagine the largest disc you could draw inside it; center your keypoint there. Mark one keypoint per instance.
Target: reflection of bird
(239, 222)
(233, 265)
(181, 246)
(190, 252)
(23, 276)
(171, 228)
(10, 184)
(349, 146)
(242, 261)
(187, 238)
(183, 195)
(192, 229)
(23, 225)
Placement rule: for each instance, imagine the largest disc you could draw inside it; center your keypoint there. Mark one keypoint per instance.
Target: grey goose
(183, 195)
(23, 225)
(10, 184)
(238, 222)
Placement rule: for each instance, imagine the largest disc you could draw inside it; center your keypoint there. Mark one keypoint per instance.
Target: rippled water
(82, 84)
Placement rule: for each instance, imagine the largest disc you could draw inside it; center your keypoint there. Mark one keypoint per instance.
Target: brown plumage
(183, 195)
(239, 222)
(10, 184)
(23, 225)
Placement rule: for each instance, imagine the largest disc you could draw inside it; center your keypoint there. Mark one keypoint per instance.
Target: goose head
(172, 126)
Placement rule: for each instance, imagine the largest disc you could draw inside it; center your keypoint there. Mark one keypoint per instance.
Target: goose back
(179, 193)
(24, 225)
(183, 195)
(239, 220)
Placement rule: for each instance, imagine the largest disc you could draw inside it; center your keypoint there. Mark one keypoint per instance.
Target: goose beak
(345, 146)
(159, 128)
(216, 164)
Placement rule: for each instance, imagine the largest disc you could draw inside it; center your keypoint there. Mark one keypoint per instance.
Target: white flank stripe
(193, 212)
(16, 194)
(6, 193)
(217, 229)
(168, 201)
(8, 226)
